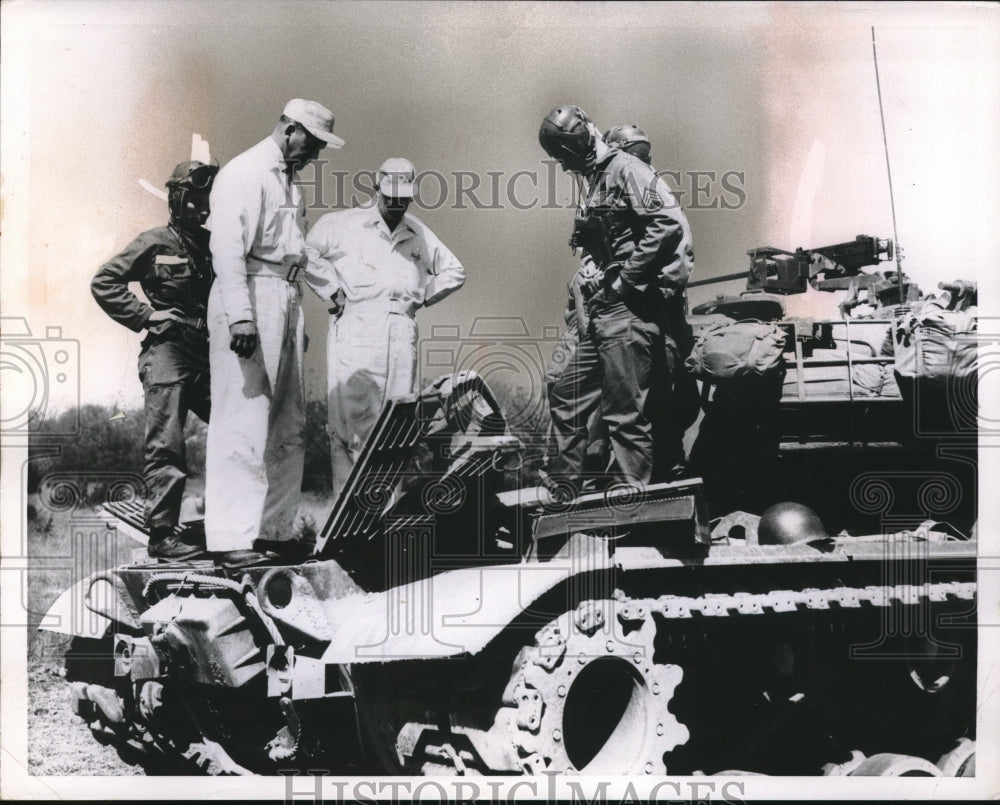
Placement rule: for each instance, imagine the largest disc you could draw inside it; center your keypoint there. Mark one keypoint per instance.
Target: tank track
(119, 714)
(618, 634)
(624, 651)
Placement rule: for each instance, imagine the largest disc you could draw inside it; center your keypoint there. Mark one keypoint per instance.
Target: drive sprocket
(588, 696)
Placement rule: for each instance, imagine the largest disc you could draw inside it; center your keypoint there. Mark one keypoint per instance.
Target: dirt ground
(59, 743)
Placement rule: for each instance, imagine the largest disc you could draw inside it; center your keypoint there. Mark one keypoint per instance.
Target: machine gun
(783, 272)
(775, 273)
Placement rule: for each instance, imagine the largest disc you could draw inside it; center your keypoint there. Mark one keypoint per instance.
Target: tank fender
(90, 607)
(453, 613)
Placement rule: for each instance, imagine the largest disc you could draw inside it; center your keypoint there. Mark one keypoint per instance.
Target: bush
(106, 445)
(109, 445)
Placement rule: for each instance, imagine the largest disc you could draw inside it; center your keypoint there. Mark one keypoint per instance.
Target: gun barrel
(739, 275)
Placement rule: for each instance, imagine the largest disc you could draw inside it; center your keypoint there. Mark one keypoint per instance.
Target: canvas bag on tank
(936, 344)
(738, 349)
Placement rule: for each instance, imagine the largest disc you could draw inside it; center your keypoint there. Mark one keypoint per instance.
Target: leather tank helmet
(187, 195)
(630, 139)
(567, 136)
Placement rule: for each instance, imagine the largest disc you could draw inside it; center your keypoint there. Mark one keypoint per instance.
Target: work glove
(243, 338)
(337, 302)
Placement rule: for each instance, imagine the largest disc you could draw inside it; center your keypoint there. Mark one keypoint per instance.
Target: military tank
(881, 393)
(451, 619)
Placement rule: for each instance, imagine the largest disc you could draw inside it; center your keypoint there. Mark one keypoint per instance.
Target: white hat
(314, 118)
(396, 177)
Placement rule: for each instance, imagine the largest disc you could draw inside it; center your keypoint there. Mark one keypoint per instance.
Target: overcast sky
(781, 99)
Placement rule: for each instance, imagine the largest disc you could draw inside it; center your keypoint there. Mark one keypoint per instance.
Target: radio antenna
(888, 170)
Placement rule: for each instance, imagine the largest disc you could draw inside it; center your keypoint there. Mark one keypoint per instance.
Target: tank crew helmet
(187, 194)
(567, 135)
(789, 523)
(630, 139)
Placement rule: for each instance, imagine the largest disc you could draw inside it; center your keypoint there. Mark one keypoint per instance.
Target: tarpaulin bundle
(738, 349)
(936, 344)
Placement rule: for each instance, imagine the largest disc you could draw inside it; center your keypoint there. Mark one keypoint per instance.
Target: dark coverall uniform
(174, 272)
(637, 333)
(573, 391)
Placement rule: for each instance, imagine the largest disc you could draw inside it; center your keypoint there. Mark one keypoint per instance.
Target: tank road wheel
(960, 761)
(890, 765)
(587, 697)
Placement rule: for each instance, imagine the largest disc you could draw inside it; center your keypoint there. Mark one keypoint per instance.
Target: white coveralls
(371, 349)
(255, 450)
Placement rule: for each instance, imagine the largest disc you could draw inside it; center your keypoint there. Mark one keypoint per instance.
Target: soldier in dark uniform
(578, 435)
(173, 266)
(633, 229)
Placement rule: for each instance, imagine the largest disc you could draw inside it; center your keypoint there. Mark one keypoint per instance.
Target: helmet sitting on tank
(630, 139)
(567, 135)
(187, 194)
(788, 524)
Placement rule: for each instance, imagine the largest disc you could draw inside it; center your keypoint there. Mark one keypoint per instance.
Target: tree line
(99, 444)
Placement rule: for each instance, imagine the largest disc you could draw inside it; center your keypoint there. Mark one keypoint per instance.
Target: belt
(183, 327)
(286, 269)
(198, 324)
(397, 306)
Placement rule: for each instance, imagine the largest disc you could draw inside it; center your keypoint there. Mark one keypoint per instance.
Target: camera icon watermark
(67, 537)
(41, 375)
(503, 352)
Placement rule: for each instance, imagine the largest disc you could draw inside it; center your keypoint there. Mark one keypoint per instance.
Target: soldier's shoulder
(625, 164)
(162, 233)
(140, 252)
(162, 237)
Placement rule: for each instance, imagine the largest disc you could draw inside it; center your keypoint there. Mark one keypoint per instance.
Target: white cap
(396, 177)
(314, 118)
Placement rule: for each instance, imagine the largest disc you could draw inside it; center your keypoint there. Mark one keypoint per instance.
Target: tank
(884, 394)
(450, 619)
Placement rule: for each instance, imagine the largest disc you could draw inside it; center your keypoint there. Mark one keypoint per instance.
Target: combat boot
(165, 544)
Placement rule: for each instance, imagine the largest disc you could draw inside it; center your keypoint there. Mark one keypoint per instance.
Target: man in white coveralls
(256, 451)
(387, 264)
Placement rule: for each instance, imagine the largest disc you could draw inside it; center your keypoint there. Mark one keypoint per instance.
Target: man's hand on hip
(173, 314)
(243, 338)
